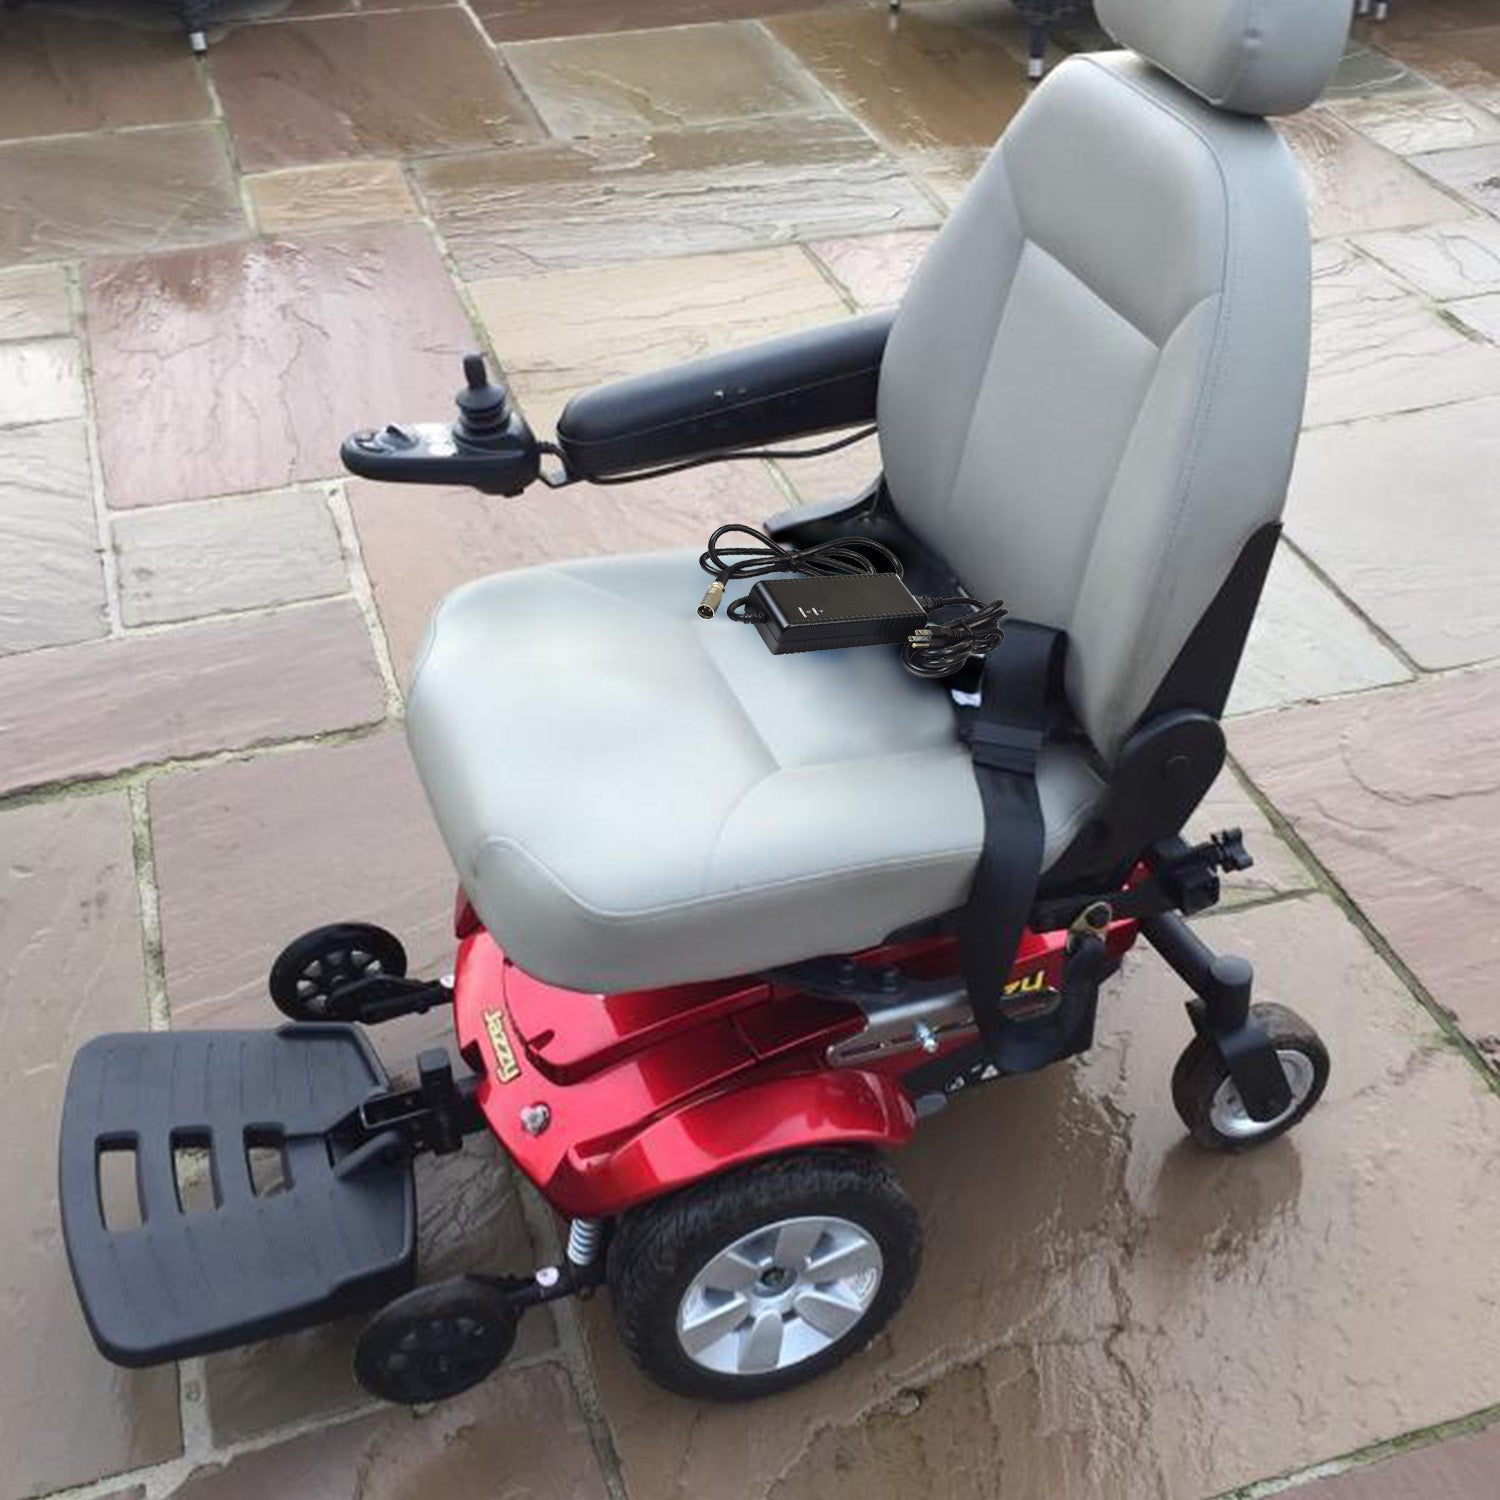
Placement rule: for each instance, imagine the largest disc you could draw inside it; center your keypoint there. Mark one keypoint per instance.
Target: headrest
(1256, 57)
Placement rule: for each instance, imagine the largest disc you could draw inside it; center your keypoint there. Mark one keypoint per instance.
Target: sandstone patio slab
(260, 358)
(34, 302)
(379, 84)
(875, 268)
(526, 1422)
(1474, 174)
(1481, 314)
(563, 333)
(354, 192)
(1446, 261)
(636, 82)
(518, 20)
(1378, 348)
(1430, 120)
(693, 191)
(1458, 1468)
(104, 706)
(1397, 511)
(1102, 1303)
(937, 76)
(250, 854)
(70, 967)
(109, 194)
(40, 381)
(61, 74)
(51, 580)
(1354, 185)
(183, 561)
(1305, 642)
(1397, 793)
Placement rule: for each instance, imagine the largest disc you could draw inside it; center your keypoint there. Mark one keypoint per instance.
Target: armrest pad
(784, 388)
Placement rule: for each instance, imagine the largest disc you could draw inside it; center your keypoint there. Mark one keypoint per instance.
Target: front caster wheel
(1211, 1106)
(312, 970)
(435, 1342)
(758, 1280)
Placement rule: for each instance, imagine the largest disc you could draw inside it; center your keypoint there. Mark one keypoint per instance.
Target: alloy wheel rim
(779, 1295)
(1228, 1115)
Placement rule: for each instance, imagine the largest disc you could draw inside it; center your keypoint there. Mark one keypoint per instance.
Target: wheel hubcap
(1228, 1115)
(779, 1295)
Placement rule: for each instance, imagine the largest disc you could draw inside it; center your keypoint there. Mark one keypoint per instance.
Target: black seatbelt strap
(1020, 684)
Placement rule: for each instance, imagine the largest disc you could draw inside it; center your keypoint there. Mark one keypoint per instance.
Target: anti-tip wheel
(757, 1280)
(312, 970)
(435, 1342)
(1210, 1104)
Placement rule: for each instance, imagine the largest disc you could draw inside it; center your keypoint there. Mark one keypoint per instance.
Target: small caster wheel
(1211, 1106)
(435, 1342)
(310, 972)
(761, 1279)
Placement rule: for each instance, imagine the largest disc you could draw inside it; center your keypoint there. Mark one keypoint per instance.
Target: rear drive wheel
(758, 1280)
(1210, 1104)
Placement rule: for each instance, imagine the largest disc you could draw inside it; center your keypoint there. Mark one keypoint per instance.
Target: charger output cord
(937, 649)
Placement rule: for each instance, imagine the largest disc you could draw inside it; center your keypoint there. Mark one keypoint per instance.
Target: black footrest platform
(241, 1227)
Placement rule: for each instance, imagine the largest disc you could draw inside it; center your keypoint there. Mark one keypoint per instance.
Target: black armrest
(785, 388)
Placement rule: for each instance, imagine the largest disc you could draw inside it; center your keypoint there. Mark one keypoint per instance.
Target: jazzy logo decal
(507, 1069)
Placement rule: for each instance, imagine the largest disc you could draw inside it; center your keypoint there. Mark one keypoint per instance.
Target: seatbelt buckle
(1004, 747)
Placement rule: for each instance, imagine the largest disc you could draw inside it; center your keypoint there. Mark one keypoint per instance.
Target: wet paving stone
(1101, 1302)
(1366, 71)
(1481, 315)
(398, 83)
(875, 268)
(1473, 174)
(1421, 483)
(1305, 642)
(1397, 794)
(34, 302)
(40, 381)
(950, 74)
(469, 1220)
(563, 333)
(262, 357)
(524, 20)
(1445, 261)
(711, 188)
(109, 194)
(356, 192)
(1354, 185)
(251, 853)
(520, 1433)
(416, 555)
(1456, 1468)
(1378, 348)
(105, 706)
(61, 74)
(201, 559)
(1465, 62)
(70, 968)
(636, 82)
(1409, 123)
(51, 579)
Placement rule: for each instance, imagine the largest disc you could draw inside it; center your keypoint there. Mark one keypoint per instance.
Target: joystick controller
(490, 447)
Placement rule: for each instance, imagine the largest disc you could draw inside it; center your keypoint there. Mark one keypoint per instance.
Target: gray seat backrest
(1091, 395)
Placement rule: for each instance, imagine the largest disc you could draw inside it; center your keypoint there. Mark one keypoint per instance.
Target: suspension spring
(583, 1241)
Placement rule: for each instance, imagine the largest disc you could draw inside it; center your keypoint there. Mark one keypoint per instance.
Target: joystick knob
(484, 410)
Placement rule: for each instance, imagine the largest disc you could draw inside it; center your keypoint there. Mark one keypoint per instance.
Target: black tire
(1200, 1074)
(657, 1250)
(311, 970)
(435, 1342)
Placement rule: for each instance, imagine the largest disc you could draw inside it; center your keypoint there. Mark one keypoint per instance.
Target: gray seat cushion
(633, 796)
